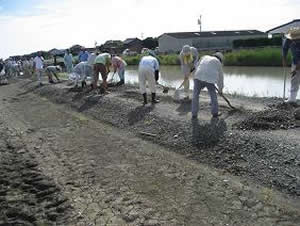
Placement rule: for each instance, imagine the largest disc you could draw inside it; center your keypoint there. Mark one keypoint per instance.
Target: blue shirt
(83, 56)
(294, 45)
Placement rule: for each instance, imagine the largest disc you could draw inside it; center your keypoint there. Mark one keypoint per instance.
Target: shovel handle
(222, 95)
(192, 70)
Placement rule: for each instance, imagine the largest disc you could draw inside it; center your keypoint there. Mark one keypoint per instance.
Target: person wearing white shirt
(68, 61)
(148, 68)
(38, 62)
(80, 72)
(209, 72)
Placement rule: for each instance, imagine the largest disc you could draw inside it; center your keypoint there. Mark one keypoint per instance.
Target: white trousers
(295, 82)
(39, 73)
(146, 73)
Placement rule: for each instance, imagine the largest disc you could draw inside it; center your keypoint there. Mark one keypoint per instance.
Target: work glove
(156, 75)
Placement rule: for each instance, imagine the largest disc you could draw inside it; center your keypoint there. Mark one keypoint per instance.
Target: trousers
(198, 86)
(146, 74)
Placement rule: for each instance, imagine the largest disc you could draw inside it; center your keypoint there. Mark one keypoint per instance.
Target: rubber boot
(83, 84)
(154, 100)
(145, 98)
(292, 98)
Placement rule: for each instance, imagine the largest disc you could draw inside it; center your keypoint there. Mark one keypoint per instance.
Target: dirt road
(78, 158)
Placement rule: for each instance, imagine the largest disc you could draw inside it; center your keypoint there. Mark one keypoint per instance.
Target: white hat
(293, 33)
(186, 49)
(219, 55)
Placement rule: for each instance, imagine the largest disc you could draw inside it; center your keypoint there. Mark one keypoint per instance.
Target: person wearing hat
(209, 72)
(148, 70)
(189, 57)
(292, 42)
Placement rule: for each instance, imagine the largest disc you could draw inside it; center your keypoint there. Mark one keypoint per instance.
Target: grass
(255, 57)
(269, 56)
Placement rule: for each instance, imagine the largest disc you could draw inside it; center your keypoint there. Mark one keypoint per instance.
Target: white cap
(186, 49)
(219, 55)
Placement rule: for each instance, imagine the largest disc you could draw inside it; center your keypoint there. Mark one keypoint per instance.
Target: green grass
(255, 57)
(245, 57)
(269, 56)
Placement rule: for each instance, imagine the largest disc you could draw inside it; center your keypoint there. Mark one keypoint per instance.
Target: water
(248, 81)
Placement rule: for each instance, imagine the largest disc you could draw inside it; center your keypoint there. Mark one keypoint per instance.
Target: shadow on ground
(207, 134)
(90, 102)
(139, 113)
(184, 107)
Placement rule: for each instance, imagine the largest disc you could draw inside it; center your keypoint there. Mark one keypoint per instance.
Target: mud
(260, 157)
(27, 196)
(118, 171)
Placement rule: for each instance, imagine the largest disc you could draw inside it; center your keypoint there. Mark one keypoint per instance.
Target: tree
(150, 43)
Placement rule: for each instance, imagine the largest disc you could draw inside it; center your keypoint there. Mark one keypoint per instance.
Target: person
(38, 62)
(68, 61)
(189, 56)
(83, 56)
(119, 66)
(101, 65)
(92, 58)
(292, 42)
(53, 70)
(209, 72)
(148, 70)
(1, 65)
(80, 72)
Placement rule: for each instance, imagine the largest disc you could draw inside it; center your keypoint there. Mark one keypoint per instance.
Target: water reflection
(249, 81)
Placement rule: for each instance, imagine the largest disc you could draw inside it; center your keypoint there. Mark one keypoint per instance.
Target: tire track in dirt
(27, 197)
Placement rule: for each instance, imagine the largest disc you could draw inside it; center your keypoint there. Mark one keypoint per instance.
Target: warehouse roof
(206, 34)
(296, 22)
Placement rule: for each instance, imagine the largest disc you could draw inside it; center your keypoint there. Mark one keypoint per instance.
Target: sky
(30, 25)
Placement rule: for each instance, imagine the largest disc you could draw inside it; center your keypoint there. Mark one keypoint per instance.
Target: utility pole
(200, 23)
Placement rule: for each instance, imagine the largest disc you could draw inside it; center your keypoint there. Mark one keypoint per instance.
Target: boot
(154, 100)
(292, 98)
(145, 98)
(121, 82)
(83, 84)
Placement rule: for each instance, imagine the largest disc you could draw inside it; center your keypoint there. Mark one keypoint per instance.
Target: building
(133, 44)
(112, 46)
(208, 40)
(75, 49)
(284, 28)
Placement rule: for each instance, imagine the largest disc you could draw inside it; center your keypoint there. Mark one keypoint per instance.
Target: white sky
(62, 23)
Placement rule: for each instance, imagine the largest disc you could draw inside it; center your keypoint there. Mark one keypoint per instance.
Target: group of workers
(207, 71)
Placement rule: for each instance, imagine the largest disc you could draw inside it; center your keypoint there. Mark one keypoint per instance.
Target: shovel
(284, 83)
(177, 91)
(228, 102)
(165, 88)
(112, 78)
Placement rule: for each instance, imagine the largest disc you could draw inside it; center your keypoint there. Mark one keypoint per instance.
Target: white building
(285, 27)
(173, 42)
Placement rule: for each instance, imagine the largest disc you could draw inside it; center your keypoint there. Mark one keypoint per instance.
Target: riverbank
(118, 162)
